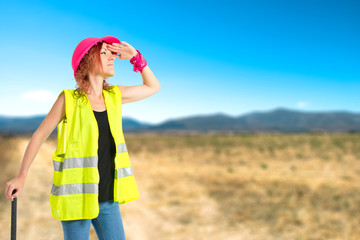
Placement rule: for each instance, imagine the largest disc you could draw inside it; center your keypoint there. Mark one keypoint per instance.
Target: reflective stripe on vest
(78, 162)
(125, 172)
(75, 188)
(86, 187)
(121, 147)
(83, 161)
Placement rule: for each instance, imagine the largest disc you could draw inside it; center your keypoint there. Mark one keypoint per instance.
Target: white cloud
(301, 104)
(40, 96)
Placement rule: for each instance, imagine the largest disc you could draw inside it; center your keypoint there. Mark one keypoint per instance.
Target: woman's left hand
(126, 51)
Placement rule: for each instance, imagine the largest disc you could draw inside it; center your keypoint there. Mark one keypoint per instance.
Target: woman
(92, 170)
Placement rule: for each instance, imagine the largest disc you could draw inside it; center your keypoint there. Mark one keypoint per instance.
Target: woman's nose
(112, 57)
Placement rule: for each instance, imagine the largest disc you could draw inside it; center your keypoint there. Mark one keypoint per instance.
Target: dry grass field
(246, 186)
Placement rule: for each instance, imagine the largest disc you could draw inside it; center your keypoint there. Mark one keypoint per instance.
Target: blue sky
(231, 57)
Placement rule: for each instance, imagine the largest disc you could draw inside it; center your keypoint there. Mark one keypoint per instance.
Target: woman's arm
(56, 114)
(150, 84)
(135, 93)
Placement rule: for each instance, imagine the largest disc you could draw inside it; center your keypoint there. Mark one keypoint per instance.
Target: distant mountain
(278, 120)
(28, 125)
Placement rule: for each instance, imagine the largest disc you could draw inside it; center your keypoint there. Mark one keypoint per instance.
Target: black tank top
(106, 155)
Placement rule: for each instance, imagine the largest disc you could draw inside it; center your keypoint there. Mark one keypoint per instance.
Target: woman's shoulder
(64, 91)
(68, 90)
(69, 94)
(113, 89)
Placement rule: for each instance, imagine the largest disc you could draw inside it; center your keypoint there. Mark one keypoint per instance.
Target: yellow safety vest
(74, 194)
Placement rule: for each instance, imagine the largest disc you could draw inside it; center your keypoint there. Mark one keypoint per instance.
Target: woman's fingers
(115, 45)
(15, 184)
(115, 49)
(124, 49)
(8, 191)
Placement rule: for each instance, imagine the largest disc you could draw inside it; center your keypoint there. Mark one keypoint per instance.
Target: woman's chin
(109, 74)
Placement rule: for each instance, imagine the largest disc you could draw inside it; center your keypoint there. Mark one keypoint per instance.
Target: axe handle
(13, 216)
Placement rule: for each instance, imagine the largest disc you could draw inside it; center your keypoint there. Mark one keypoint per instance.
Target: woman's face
(107, 60)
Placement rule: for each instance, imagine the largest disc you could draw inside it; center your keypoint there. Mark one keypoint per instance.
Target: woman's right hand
(16, 183)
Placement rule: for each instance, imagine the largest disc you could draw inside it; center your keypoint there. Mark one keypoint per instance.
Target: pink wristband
(139, 62)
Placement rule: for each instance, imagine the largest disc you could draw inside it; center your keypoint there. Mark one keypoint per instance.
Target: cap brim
(110, 39)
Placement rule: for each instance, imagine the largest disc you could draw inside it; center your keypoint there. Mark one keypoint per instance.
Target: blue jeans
(108, 224)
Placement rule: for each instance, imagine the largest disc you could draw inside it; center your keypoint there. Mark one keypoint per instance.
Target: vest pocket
(58, 161)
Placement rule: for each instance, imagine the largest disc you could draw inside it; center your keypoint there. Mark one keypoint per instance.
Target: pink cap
(84, 46)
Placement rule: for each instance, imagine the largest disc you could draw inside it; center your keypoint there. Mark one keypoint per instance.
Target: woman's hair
(87, 65)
